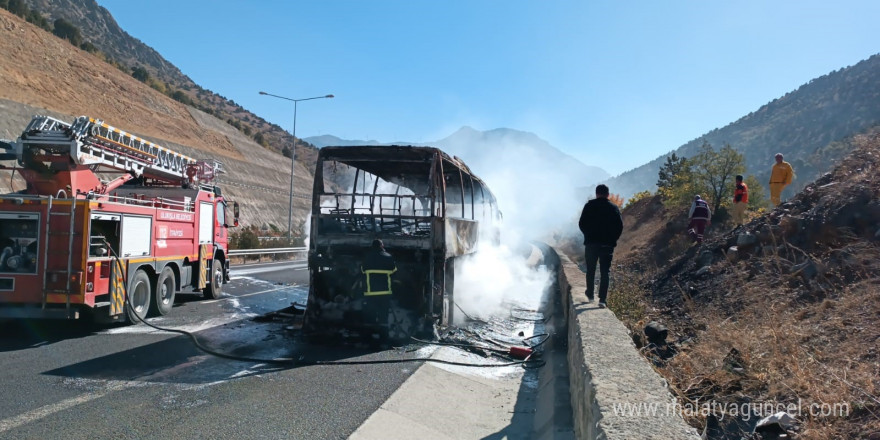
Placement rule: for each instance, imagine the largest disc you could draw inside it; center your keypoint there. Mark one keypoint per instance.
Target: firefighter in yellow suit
(780, 177)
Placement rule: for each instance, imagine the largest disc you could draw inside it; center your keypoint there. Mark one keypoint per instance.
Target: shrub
(67, 31)
(638, 196)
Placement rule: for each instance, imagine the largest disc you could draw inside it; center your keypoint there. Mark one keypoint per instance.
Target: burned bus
(426, 207)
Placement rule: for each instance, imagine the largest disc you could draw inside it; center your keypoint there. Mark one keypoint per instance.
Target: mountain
(519, 150)
(328, 140)
(103, 35)
(809, 126)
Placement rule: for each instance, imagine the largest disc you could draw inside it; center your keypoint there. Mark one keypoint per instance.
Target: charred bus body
(427, 208)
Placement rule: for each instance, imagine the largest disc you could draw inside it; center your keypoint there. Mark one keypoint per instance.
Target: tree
(17, 7)
(88, 47)
(757, 196)
(140, 73)
(714, 171)
(67, 31)
(674, 165)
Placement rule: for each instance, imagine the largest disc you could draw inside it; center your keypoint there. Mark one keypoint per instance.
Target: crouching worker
(377, 267)
(699, 218)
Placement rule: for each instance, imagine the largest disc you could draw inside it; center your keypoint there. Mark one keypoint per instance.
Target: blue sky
(615, 84)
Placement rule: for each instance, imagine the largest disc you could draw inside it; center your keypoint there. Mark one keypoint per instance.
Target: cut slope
(785, 310)
(44, 71)
(41, 74)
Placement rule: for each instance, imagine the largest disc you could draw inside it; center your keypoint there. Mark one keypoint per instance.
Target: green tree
(679, 193)
(248, 239)
(140, 73)
(67, 31)
(714, 172)
(674, 165)
(88, 47)
(17, 7)
(36, 18)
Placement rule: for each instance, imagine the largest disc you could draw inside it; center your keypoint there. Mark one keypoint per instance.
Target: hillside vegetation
(808, 125)
(785, 310)
(41, 73)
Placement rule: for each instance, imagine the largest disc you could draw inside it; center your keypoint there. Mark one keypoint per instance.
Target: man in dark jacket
(602, 225)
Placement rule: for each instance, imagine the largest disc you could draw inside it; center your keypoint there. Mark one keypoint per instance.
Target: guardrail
(269, 251)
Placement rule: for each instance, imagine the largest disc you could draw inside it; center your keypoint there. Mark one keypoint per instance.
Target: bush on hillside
(67, 31)
(140, 73)
(638, 196)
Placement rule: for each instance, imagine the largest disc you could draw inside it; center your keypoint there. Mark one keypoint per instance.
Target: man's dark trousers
(602, 254)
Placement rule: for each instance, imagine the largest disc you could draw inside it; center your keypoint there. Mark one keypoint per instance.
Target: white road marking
(111, 386)
(45, 411)
(247, 294)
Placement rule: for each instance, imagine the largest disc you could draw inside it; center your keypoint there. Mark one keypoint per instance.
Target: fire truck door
(220, 224)
(206, 223)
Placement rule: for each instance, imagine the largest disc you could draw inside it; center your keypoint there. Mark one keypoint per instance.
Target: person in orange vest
(740, 201)
(780, 177)
(700, 217)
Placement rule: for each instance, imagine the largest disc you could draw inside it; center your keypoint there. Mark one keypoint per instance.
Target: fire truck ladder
(54, 270)
(91, 141)
(103, 144)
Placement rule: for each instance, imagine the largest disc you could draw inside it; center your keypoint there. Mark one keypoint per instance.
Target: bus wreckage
(427, 208)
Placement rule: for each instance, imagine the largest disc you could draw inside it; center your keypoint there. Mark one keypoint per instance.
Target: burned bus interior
(425, 206)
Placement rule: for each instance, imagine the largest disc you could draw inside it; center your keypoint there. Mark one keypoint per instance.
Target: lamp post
(293, 156)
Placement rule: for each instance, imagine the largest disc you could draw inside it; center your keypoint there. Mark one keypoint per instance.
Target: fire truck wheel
(214, 289)
(166, 287)
(139, 293)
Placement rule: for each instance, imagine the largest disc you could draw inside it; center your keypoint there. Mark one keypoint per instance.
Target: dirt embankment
(42, 74)
(785, 310)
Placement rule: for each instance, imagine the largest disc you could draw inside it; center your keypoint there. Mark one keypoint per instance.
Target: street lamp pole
(293, 157)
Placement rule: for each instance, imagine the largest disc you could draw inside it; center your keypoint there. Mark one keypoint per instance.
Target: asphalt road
(64, 380)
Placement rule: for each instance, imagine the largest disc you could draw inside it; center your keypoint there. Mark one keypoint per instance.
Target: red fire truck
(107, 218)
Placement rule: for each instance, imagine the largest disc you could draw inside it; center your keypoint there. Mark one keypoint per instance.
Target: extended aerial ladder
(90, 145)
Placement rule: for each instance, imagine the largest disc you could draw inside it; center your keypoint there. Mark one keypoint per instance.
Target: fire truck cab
(110, 226)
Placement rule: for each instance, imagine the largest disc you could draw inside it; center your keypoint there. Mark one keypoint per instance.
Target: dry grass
(790, 350)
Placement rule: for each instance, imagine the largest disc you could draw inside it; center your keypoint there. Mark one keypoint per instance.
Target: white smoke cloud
(492, 280)
(537, 196)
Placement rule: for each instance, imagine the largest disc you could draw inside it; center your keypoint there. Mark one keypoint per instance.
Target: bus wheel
(214, 289)
(139, 294)
(166, 287)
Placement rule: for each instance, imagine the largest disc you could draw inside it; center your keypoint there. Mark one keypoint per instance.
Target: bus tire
(138, 297)
(165, 291)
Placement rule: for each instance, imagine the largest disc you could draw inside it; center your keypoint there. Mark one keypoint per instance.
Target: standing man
(602, 225)
(699, 216)
(780, 177)
(740, 201)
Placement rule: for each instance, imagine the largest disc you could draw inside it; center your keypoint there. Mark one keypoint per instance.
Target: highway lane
(66, 380)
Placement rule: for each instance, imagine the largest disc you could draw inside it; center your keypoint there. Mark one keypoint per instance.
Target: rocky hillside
(42, 74)
(783, 311)
(808, 125)
(100, 29)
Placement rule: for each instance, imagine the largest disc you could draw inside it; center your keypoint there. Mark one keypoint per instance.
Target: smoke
(536, 187)
(491, 281)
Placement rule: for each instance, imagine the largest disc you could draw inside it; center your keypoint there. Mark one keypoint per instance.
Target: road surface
(63, 380)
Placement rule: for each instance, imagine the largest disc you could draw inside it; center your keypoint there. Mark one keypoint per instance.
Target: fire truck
(110, 226)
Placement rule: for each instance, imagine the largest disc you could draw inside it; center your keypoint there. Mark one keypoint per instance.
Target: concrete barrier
(615, 393)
